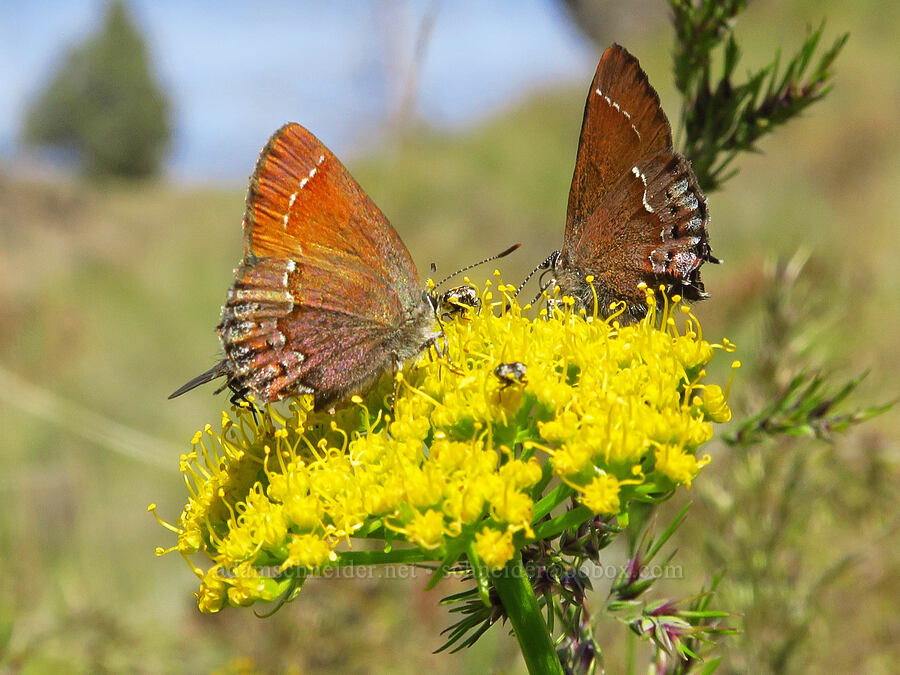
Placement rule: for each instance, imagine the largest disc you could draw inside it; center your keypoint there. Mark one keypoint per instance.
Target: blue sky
(235, 71)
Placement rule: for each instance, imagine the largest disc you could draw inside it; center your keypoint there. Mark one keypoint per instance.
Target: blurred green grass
(112, 293)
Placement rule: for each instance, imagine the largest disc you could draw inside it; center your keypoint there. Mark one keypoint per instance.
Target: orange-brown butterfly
(327, 297)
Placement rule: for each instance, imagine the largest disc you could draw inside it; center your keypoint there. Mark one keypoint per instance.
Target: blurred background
(120, 227)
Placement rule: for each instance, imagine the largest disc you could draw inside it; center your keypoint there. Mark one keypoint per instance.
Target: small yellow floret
(307, 550)
(715, 405)
(213, 592)
(601, 495)
(680, 466)
(513, 507)
(494, 548)
(427, 529)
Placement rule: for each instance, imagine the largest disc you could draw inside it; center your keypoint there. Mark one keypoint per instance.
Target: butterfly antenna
(543, 266)
(481, 262)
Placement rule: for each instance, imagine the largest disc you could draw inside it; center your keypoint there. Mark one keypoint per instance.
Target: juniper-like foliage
(806, 407)
(721, 117)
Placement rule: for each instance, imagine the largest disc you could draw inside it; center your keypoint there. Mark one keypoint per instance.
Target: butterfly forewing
(622, 121)
(304, 204)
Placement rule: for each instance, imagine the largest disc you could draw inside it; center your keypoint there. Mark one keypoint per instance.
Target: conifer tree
(105, 103)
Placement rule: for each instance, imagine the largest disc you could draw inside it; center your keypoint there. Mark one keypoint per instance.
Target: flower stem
(524, 614)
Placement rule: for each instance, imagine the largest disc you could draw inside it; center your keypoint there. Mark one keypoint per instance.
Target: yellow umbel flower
(520, 406)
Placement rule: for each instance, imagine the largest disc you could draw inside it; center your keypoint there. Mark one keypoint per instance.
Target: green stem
(524, 614)
(398, 556)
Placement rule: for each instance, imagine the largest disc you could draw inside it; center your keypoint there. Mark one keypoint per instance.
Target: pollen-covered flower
(601, 495)
(307, 550)
(494, 547)
(465, 461)
(680, 466)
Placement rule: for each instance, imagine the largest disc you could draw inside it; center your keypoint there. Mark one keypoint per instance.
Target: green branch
(722, 118)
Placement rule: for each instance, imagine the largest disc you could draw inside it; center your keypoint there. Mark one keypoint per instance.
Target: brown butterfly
(636, 213)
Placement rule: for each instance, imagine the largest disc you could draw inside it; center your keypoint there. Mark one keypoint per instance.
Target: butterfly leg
(395, 392)
(239, 395)
(543, 289)
(443, 353)
(435, 341)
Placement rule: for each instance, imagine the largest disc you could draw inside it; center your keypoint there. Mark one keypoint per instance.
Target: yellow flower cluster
(516, 416)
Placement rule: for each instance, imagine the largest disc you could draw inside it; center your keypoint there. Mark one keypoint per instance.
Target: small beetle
(510, 373)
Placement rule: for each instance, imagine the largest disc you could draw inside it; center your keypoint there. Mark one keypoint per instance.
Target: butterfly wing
(622, 121)
(635, 211)
(327, 297)
(303, 204)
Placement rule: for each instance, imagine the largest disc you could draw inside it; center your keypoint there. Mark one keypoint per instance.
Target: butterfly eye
(549, 263)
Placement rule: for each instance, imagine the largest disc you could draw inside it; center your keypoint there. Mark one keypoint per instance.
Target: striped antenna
(468, 267)
(547, 264)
